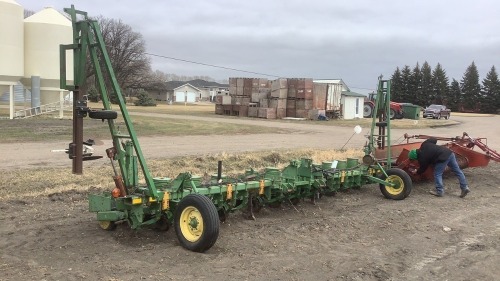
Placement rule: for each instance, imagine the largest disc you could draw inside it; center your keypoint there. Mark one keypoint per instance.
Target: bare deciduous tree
(156, 82)
(127, 53)
(126, 50)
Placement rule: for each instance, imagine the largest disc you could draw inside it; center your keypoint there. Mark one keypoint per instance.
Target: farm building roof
(352, 94)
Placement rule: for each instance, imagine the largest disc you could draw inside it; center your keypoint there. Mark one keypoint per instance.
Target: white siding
(191, 97)
(43, 33)
(181, 97)
(11, 44)
(352, 107)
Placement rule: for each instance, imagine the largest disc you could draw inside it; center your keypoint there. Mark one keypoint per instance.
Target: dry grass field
(49, 180)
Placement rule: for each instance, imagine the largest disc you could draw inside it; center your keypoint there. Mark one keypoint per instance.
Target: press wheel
(107, 225)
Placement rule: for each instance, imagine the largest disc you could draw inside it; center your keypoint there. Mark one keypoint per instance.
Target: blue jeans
(439, 169)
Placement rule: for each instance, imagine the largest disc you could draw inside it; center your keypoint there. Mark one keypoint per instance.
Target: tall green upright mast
(88, 41)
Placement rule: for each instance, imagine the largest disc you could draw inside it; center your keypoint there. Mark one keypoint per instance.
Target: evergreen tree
(93, 94)
(415, 86)
(490, 93)
(407, 95)
(440, 85)
(453, 98)
(143, 99)
(397, 86)
(426, 87)
(471, 90)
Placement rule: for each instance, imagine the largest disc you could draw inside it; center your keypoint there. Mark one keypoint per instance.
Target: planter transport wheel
(403, 184)
(196, 223)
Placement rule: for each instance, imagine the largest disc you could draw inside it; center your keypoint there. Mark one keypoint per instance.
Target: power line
(212, 65)
(229, 68)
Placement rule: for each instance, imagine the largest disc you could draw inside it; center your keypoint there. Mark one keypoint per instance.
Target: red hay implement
(470, 152)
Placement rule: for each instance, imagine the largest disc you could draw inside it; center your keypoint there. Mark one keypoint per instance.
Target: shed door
(349, 107)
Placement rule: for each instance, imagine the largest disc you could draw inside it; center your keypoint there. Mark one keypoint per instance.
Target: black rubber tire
(392, 114)
(438, 117)
(209, 219)
(367, 110)
(103, 114)
(399, 193)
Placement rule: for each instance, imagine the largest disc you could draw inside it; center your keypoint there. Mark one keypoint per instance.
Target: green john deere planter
(195, 208)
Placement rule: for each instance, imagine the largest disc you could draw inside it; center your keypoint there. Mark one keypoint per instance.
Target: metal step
(42, 109)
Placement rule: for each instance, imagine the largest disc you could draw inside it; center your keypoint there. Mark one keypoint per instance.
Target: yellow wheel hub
(399, 185)
(191, 224)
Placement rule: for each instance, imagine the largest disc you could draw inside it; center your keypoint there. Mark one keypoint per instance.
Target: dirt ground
(356, 235)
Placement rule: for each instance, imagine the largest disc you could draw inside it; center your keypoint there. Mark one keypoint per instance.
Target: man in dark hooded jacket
(439, 156)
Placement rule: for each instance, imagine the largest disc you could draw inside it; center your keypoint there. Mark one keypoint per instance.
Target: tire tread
(210, 222)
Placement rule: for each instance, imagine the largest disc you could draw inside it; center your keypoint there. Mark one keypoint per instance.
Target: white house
(201, 89)
(187, 93)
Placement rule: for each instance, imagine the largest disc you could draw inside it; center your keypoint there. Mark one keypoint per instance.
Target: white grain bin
(43, 33)
(11, 44)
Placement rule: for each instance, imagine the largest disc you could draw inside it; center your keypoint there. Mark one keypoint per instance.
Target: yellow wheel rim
(191, 224)
(399, 185)
(105, 224)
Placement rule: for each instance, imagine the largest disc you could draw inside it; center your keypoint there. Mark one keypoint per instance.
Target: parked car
(437, 111)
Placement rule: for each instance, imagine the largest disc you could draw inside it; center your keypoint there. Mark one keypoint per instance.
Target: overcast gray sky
(356, 40)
